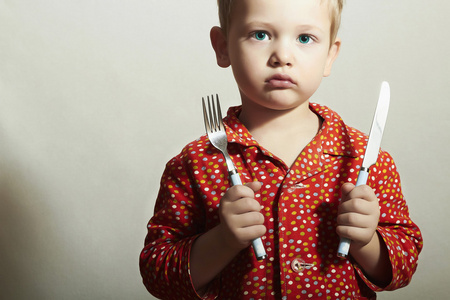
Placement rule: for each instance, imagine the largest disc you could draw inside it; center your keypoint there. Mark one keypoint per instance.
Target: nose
(281, 55)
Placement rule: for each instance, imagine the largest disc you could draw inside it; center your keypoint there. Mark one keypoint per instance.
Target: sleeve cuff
(374, 287)
(209, 292)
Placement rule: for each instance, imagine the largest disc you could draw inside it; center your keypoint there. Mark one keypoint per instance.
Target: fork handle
(258, 248)
(257, 244)
(234, 176)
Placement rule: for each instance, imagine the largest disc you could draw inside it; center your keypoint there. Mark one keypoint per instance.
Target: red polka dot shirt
(300, 207)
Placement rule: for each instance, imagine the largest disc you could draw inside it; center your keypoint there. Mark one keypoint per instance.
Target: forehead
(282, 12)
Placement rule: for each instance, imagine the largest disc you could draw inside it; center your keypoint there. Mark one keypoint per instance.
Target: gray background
(96, 96)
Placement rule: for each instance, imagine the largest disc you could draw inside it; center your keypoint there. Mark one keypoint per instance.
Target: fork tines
(213, 117)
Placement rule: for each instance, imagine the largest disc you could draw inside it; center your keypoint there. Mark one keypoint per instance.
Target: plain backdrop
(97, 95)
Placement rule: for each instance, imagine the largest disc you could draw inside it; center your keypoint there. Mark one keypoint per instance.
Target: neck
(284, 133)
(261, 119)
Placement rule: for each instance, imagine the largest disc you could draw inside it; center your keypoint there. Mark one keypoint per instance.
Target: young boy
(299, 161)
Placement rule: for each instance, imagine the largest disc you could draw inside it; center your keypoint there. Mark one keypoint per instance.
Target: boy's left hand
(358, 214)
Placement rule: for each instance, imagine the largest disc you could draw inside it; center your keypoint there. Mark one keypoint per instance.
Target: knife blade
(372, 150)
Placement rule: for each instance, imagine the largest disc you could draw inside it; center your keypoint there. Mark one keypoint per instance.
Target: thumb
(346, 189)
(254, 185)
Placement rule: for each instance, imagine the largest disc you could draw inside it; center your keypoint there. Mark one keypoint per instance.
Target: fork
(218, 137)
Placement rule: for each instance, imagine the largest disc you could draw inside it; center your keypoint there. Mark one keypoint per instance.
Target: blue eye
(260, 36)
(304, 39)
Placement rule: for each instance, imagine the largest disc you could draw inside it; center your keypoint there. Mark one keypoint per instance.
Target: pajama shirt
(300, 206)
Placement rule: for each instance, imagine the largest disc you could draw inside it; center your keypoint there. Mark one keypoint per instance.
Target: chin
(275, 99)
(286, 102)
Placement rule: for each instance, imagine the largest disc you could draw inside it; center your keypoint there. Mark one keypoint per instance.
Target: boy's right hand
(240, 217)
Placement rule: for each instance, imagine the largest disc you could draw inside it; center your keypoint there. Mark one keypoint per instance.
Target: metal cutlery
(217, 135)
(372, 149)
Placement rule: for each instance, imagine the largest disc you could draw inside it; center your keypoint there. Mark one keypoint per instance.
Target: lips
(281, 81)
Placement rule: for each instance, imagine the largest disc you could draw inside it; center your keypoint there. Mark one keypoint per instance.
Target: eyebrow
(258, 24)
(302, 27)
(310, 27)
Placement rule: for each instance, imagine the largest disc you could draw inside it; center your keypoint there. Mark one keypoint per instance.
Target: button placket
(296, 187)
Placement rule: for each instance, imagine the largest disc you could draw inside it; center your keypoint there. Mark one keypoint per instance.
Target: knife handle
(257, 244)
(344, 244)
(363, 175)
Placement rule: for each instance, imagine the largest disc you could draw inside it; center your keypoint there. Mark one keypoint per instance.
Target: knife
(372, 149)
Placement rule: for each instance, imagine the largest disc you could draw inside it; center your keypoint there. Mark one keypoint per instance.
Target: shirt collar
(236, 131)
(336, 137)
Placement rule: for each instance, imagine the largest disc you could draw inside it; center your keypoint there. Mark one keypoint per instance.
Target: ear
(219, 43)
(333, 53)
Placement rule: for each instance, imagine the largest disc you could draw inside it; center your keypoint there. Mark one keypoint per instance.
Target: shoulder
(385, 165)
(192, 159)
(192, 151)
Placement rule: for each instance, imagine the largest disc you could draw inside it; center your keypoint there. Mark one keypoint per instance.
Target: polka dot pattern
(300, 208)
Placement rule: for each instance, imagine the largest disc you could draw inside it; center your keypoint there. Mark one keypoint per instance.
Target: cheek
(242, 74)
(249, 55)
(317, 65)
(247, 67)
(242, 60)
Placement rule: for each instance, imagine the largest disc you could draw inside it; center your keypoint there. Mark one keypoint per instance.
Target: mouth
(281, 81)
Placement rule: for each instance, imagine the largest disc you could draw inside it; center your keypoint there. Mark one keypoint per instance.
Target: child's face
(279, 50)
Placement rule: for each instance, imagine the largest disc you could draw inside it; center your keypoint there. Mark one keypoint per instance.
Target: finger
(356, 205)
(239, 191)
(364, 192)
(245, 205)
(356, 234)
(246, 226)
(352, 233)
(247, 234)
(239, 206)
(353, 220)
(249, 219)
(251, 232)
(349, 191)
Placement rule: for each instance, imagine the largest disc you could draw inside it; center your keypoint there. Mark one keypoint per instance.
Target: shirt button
(298, 265)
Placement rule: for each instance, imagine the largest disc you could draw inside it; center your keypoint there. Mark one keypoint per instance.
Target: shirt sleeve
(400, 234)
(177, 222)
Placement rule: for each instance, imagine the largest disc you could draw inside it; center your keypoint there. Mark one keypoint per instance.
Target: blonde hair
(335, 6)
